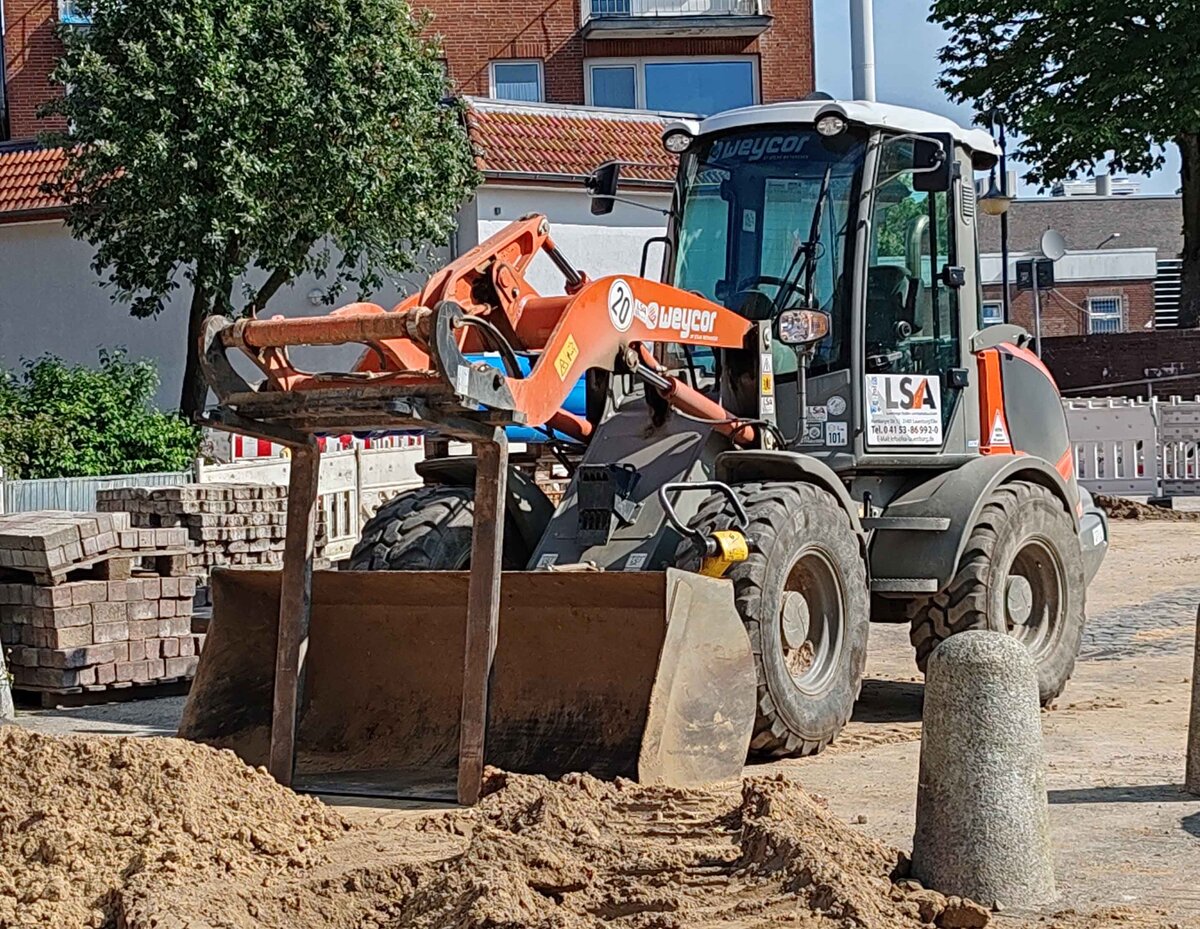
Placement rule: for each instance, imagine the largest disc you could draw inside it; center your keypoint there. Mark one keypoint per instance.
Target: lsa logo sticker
(903, 393)
(904, 409)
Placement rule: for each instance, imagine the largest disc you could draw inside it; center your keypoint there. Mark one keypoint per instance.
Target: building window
(70, 14)
(993, 313)
(674, 85)
(615, 86)
(1104, 315)
(517, 80)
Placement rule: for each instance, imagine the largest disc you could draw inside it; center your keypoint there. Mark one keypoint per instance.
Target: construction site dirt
(141, 831)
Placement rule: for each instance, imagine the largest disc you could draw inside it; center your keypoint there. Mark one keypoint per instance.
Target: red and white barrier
(244, 447)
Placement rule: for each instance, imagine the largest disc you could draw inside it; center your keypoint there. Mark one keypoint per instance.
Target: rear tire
(428, 529)
(1021, 574)
(803, 597)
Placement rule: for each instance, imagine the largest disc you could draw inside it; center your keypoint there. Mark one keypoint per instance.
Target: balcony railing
(616, 9)
(650, 19)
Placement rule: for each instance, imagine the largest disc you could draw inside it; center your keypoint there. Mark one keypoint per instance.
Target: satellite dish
(1054, 246)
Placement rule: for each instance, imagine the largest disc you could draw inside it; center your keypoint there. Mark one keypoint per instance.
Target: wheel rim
(1033, 598)
(812, 622)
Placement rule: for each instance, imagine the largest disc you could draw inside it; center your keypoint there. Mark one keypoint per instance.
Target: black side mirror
(602, 185)
(932, 160)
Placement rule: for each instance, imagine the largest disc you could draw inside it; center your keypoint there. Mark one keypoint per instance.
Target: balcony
(632, 19)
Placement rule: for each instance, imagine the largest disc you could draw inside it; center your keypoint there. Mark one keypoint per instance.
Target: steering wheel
(785, 287)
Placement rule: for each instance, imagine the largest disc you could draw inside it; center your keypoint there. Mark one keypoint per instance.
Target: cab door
(911, 327)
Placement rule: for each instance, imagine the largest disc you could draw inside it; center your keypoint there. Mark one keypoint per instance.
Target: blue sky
(906, 66)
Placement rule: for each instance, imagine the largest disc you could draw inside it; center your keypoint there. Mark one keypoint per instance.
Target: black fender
(525, 503)
(906, 561)
(738, 467)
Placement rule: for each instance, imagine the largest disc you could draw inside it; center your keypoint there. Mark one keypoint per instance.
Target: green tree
(211, 138)
(1084, 82)
(60, 420)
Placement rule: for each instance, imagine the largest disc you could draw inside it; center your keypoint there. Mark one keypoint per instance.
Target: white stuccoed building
(534, 158)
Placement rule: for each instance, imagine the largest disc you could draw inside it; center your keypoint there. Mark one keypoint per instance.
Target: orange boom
(415, 370)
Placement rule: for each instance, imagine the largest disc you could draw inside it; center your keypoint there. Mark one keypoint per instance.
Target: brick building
(31, 49)
(693, 56)
(665, 55)
(1120, 273)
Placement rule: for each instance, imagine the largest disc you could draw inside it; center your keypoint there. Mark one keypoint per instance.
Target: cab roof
(857, 112)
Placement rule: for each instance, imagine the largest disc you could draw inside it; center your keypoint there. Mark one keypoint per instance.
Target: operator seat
(892, 300)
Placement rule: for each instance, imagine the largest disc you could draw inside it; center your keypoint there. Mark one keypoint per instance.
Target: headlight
(802, 327)
(831, 125)
(677, 142)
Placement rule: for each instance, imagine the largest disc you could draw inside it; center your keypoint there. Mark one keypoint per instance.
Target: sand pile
(81, 819)
(1120, 508)
(583, 853)
(163, 834)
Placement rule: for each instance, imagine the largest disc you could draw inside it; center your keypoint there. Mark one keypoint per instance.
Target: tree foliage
(215, 137)
(1086, 82)
(60, 420)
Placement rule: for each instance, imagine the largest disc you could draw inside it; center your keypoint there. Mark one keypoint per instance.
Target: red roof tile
(541, 139)
(22, 174)
(510, 139)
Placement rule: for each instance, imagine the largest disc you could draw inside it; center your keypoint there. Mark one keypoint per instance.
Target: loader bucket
(642, 675)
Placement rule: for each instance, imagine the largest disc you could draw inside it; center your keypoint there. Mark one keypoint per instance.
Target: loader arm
(674, 700)
(415, 371)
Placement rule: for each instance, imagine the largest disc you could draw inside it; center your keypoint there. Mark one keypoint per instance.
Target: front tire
(428, 529)
(803, 597)
(1022, 574)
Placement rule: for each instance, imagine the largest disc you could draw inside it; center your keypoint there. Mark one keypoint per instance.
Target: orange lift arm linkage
(482, 302)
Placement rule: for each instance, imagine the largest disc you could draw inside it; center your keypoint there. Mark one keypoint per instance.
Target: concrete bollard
(982, 820)
(1191, 780)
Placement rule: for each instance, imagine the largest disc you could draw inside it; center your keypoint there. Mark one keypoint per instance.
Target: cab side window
(912, 324)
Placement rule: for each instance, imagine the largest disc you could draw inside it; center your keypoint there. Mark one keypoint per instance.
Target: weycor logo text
(756, 149)
(909, 393)
(681, 321)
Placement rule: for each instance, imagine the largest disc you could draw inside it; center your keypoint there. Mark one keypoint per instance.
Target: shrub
(62, 420)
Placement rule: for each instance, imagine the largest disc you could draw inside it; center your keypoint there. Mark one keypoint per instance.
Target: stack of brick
(87, 603)
(227, 525)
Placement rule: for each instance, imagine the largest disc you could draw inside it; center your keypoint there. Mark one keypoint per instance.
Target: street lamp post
(996, 203)
(1004, 217)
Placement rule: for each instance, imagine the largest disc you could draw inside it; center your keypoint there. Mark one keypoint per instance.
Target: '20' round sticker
(620, 304)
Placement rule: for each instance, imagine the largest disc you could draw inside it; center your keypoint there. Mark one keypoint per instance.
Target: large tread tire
(428, 529)
(788, 522)
(1018, 517)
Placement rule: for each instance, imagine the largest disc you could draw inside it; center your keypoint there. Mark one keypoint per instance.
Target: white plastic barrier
(1116, 444)
(1179, 441)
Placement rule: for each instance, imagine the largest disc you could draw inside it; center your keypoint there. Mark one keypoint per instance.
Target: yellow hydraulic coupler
(720, 549)
(723, 549)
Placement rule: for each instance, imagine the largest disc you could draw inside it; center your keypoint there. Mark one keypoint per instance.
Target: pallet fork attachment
(326, 676)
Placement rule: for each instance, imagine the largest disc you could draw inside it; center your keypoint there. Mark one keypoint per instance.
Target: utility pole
(1004, 231)
(862, 48)
(1037, 310)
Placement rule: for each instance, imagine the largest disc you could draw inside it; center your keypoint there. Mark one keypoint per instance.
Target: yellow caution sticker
(566, 357)
(768, 384)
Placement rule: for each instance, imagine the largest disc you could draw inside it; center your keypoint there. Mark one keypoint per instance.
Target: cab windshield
(765, 223)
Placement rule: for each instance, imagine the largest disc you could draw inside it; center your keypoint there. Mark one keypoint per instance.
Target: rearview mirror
(802, 328)
(931, 162)
(602, 185)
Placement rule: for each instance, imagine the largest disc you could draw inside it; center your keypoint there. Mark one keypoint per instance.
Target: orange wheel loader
(803, 428)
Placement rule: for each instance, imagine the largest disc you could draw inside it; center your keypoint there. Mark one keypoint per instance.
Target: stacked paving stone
(227, 525)
(88, 603)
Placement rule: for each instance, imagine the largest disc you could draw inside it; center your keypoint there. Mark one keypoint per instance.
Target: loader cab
(865, 213)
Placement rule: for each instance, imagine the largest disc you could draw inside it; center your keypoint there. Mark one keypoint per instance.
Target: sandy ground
(1124, 830)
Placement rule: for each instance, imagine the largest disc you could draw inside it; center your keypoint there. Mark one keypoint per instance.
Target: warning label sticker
(999, 433)
(566, 357)
(904, 409)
